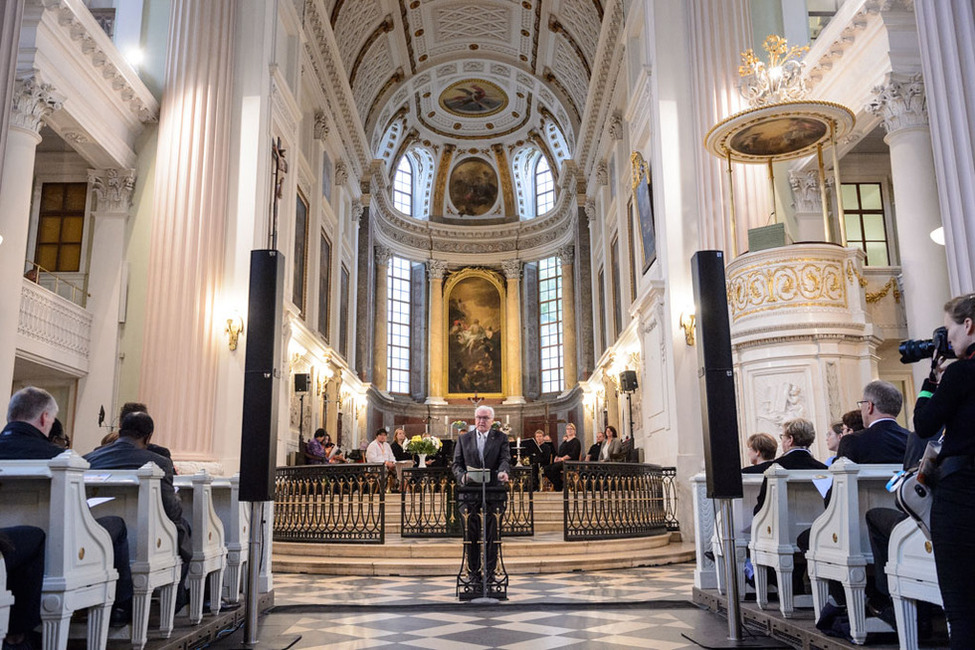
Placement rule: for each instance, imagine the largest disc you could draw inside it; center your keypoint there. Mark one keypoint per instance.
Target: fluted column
(901, 104)
(183, 339)
(112, 191)
(946, 31)
(436, 270)
(570, 365)
(33, 100)
(512, 271)
(11, 15)
(379, 370)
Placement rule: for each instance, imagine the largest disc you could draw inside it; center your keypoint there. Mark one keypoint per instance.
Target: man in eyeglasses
(883, 441)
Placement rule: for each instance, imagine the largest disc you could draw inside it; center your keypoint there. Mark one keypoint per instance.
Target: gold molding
(798, 283)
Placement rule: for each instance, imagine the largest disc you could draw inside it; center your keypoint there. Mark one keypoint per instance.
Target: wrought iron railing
(330, 503)
(428, 504)
(616, 500)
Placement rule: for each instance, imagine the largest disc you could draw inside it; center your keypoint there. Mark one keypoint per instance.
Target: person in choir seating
(596, 449)
(23, 557)
(852, 421)
(398, 445)
(131, 451)
(315, 448)
(611, 448)
(883, 441)
(333, 453)
(531, 451)
(544, 441)
(379, 451)
(760, 448)
(30, 417)
(570, 449)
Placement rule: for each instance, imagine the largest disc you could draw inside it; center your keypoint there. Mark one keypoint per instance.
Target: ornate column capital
(805, 191)
(616, 126)
(602, 173)
(113, 188)
(356, 212)
(321, 126)
(382, 255)
(566, 254)
(591, 211)
(341, 173)
(512, 269)
(900, 102)
(33, 101)
(436, 269)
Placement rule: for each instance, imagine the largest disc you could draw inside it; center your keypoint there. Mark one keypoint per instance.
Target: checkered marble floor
(664, 583)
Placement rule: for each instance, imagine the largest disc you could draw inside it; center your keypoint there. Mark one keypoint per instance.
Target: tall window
(865, 222)
(544, 187)
(301, 253)
(403, 187)
(60, 227)
(398, 334)
(324, 285)
(550, 324)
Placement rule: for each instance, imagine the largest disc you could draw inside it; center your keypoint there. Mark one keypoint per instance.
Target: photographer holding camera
(947, 399)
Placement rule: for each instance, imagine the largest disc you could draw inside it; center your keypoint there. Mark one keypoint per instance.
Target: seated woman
(611, 448)
(399, 446)
(570, 449)
(315, 448)
(333, 453)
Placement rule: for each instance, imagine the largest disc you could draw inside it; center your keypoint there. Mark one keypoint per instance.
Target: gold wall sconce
(235, 327)
(687, 321)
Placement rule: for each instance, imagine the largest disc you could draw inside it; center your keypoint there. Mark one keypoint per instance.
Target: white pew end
(78, 557)
(136, 497)
(6, 600)
(209, 552)
(236, 524)
(911, 576)
(742, 510)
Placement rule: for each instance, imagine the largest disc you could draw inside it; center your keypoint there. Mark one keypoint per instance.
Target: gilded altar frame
(470, 284)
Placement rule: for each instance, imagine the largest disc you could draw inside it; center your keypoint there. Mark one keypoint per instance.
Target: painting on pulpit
(474, 300)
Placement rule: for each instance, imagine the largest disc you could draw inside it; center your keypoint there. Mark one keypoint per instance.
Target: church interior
(488, 202)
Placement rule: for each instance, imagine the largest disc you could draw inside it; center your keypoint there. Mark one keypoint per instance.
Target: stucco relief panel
(775, 395)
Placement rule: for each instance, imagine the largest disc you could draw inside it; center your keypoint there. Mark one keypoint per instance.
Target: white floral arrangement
(428, 445)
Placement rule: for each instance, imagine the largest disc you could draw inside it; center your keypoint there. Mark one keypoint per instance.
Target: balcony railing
(52, 327)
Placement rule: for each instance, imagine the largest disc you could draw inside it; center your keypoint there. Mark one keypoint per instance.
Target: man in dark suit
(883, 441)
(30, 416)
(487, 448)
(130, 452)
(593, 454)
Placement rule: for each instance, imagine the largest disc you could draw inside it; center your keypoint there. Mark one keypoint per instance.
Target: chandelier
(780, 80)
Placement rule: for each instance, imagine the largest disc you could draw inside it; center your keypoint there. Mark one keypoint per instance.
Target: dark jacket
(950, 404)
(23, 441)
(882, 442)
(399, 452)
(796, 459)
(571, 448)
(497, 455)
(593, 454)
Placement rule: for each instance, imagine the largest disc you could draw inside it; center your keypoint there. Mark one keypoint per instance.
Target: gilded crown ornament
(779, 80)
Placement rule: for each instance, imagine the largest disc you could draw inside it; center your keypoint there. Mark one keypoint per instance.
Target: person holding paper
(481, 447)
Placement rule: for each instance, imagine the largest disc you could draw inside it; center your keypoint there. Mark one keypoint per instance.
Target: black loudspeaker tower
(302, 380)
(722, 455)
(628, 381)
(261, 376)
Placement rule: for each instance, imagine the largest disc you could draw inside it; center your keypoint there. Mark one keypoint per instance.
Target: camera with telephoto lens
(913, 351)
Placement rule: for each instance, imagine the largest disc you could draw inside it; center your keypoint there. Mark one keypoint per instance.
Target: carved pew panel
(136, 497)
(236, 521)
(792, 503)
(6, 600)
(78, 557)
(839, 542)
(911, 576)
(742, 511)
(209, 552)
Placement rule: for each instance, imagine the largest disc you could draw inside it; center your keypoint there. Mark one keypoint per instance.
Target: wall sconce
(687, 320)
(235, 327)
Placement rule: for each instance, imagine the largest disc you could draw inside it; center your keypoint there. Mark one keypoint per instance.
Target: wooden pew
(236, 521)
(839, 542)
(792, 502)
(742, 511)
(78, 557)
(153, 548)
(911, 576)
(6, 600)
(209, 553)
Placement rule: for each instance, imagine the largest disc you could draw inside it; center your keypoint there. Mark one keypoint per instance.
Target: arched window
(544, 187)
(403, 187)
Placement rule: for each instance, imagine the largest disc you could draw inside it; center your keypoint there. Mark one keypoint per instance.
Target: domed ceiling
(455, 71)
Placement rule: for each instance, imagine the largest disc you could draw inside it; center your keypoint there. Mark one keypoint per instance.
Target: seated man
(130, 452)
(30, 416)
(596, 449)
(380, 451)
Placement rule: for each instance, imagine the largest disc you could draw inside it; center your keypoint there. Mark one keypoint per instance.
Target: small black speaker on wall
(261, 376)
(628, 381)
(722, 456)
(302, 380)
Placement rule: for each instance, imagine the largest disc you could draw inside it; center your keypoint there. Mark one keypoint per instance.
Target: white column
(112, 189)
(512, 271)
(570, 365)
(183, 336)
(946, 31)
(32, 101)
(901, 104)
(436, 270)
(379, 361)
(11, 15)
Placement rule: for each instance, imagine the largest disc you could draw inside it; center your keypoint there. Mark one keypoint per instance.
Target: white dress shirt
(379, 452)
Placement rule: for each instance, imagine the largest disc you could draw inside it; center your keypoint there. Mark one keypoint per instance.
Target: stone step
(423, 561)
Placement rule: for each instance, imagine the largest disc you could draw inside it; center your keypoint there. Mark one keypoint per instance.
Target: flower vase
(423, 460)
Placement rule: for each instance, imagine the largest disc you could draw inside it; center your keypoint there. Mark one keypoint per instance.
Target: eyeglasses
(482, 417)
(862, 402)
